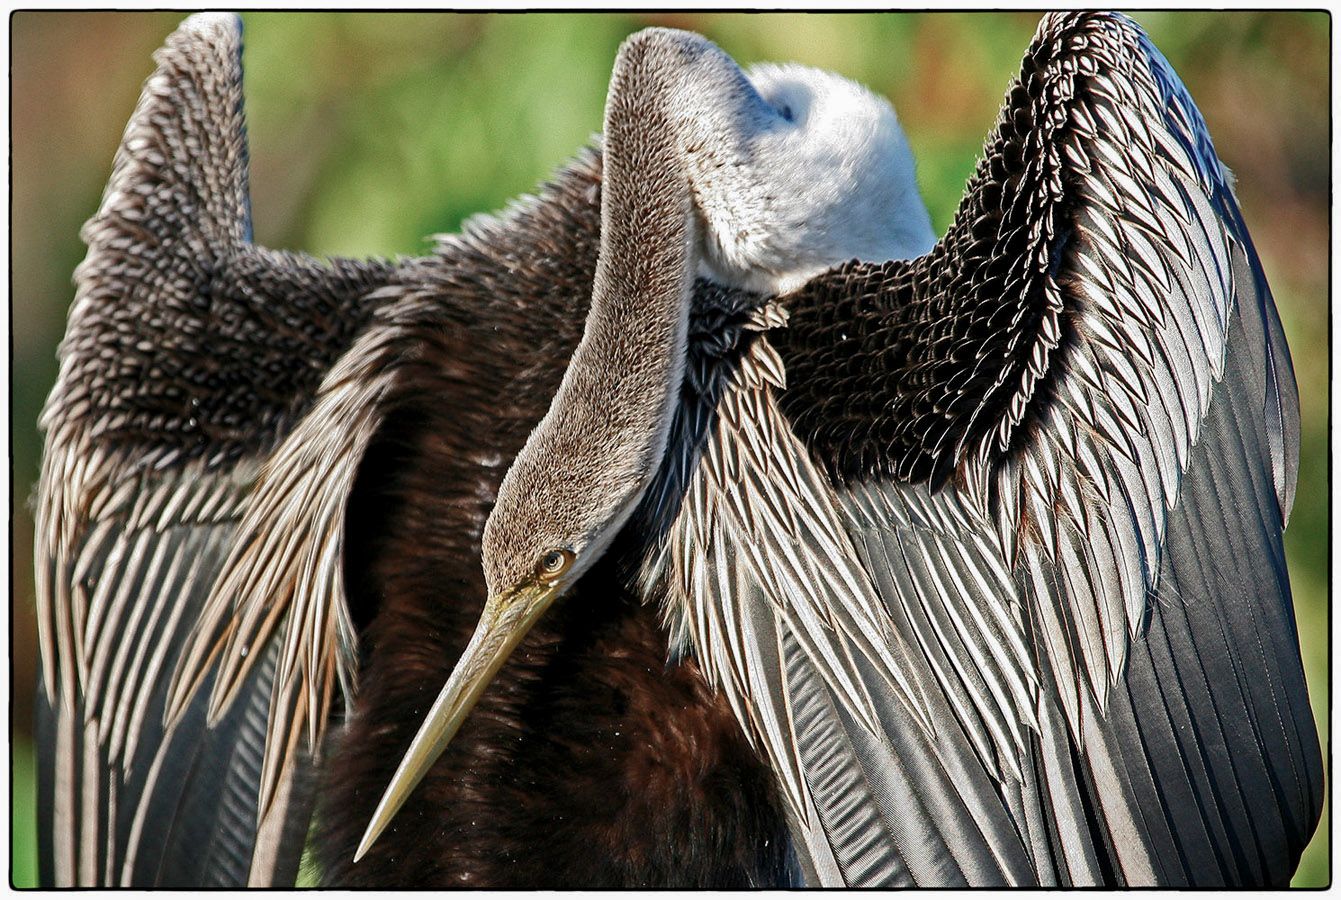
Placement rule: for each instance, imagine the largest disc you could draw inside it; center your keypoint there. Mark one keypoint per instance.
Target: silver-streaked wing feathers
(176, 378)
(761, 534)
(1089, 327)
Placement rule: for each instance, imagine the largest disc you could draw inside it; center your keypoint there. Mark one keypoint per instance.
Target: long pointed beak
(504, 623)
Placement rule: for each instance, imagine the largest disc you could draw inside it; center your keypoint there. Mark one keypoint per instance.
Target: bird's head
(568, 493)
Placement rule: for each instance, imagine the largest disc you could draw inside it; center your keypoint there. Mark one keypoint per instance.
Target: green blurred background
(371, 131)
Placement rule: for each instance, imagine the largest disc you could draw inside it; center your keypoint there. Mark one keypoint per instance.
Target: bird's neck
(620, 390)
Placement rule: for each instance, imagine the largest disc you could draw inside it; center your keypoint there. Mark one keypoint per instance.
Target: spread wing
(189, 354)
(1044, 470)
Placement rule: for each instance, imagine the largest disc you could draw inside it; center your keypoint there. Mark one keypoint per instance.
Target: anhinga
(979, 551)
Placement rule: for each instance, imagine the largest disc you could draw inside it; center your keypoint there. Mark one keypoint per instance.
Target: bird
(202, 378)
(982, 548)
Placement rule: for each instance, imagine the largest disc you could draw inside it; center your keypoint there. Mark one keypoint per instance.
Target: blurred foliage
(370, 132)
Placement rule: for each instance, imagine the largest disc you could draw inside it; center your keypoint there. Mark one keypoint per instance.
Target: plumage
(968, 566)
(165, 405)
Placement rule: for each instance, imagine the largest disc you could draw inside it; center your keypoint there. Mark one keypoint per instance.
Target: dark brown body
(591, 761)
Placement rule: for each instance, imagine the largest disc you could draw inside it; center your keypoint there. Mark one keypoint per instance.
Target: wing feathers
(188, 353)
(1027, 431)
(757, 576)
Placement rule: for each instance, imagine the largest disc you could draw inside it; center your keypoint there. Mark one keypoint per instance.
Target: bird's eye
(553, 564)
(786, 112)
